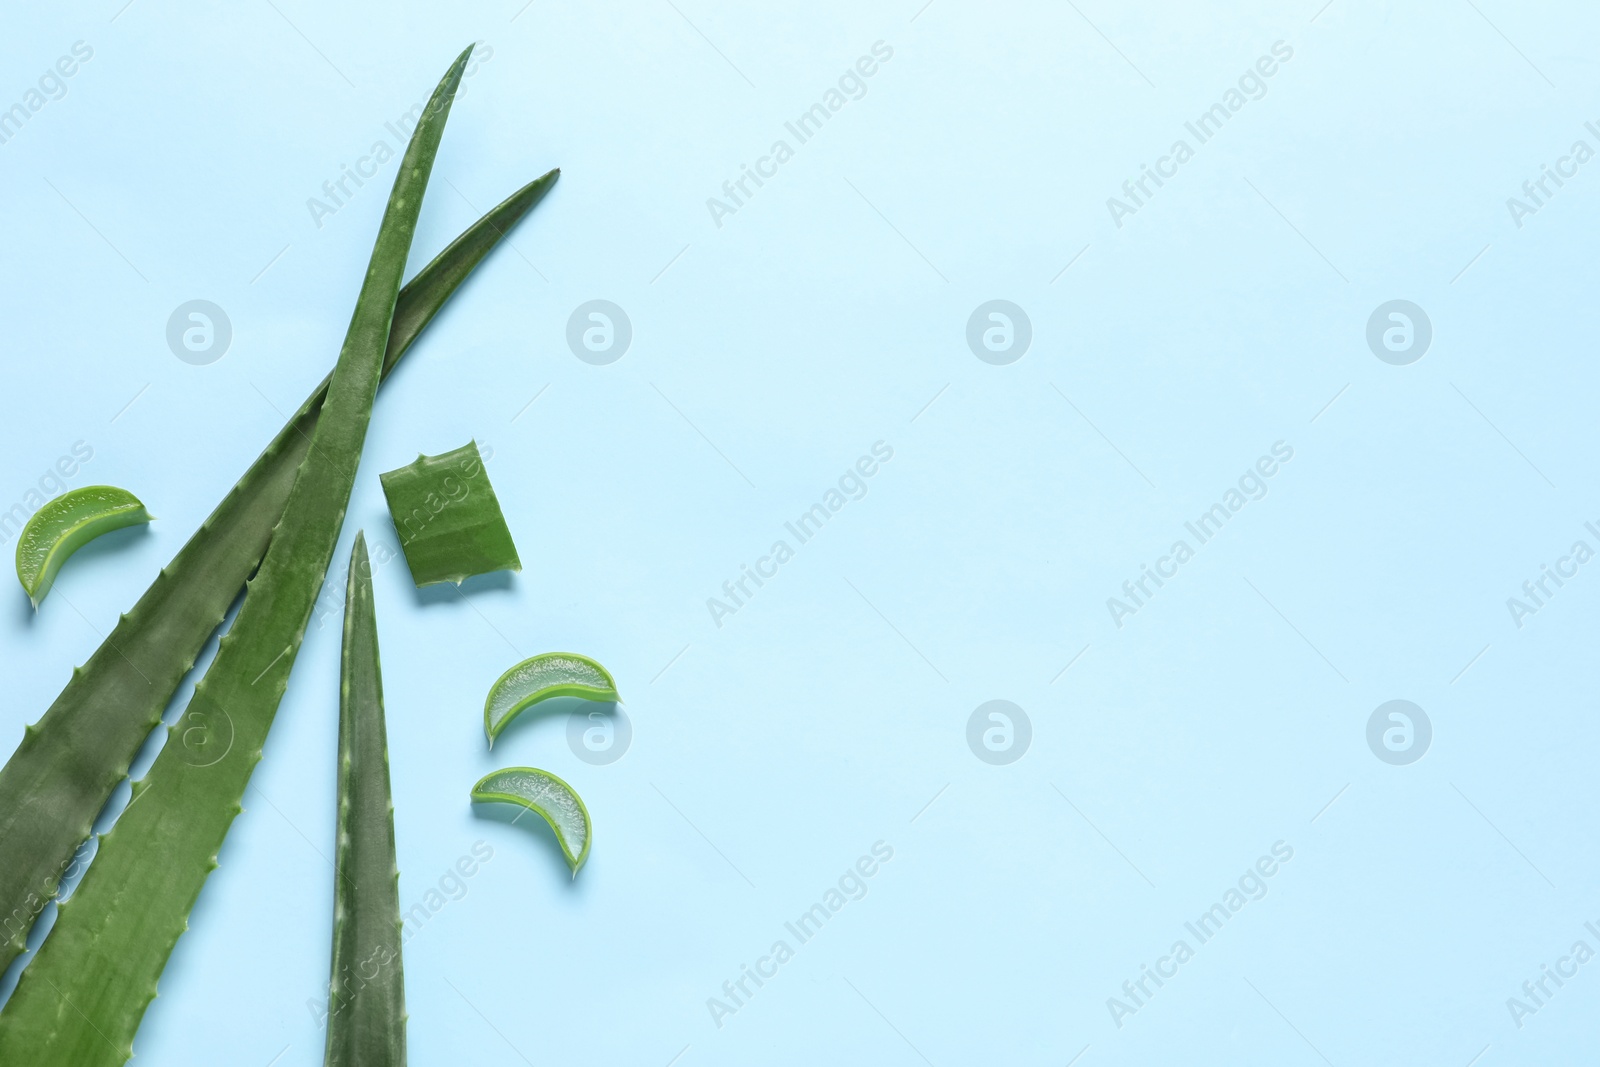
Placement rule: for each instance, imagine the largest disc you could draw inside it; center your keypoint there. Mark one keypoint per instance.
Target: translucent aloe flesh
(56, 782)
(80, 1001)
(448, 518)
(547, 796)
(540, 678)
(65, 525)
(366, 989)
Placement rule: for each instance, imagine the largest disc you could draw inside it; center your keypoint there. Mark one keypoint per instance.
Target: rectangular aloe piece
(80, 1001)
(448, 518)
(59, 778)
(366, 989)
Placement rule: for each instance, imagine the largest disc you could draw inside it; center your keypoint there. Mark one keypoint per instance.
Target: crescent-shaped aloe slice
(544, 677)
(556, 802)
(65, 525)
(56, 782)
(366, 989)
(79, 1002)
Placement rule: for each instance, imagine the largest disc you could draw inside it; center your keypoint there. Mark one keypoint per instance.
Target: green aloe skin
(80, 1001)
(56, 782)
(366, 991)
(448, 518)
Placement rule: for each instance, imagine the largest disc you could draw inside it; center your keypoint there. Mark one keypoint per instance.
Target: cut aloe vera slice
(551, 799)
(65, 525)
(544, 677)
(448, 518)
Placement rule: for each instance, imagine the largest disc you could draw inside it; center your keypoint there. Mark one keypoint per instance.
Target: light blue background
(824, 316)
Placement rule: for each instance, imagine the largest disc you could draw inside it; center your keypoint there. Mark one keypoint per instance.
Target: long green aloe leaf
(80, 1001)
(57, 781)
(366, 989)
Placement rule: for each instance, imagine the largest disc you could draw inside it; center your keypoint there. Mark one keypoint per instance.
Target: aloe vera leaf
(65, 525)
(79, 1002)
(57, 781)
(553, 800)
(366, 988)
(544, 677)
(448, 518)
